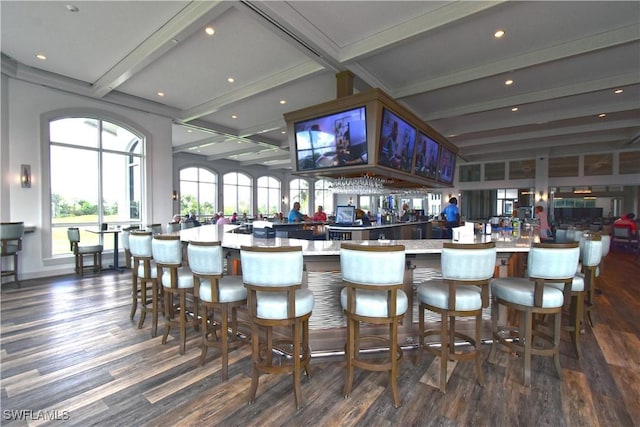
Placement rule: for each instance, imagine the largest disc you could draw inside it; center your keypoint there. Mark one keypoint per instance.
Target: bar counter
(322, 275)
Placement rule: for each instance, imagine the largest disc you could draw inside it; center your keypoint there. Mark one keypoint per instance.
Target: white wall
(23, 105)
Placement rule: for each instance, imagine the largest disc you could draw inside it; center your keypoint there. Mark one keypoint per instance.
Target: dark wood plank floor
(70, 351)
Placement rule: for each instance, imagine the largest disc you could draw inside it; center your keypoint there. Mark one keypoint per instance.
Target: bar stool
(464, 290)
(79, 251)
(172, 227)
(11, 240)
(125, 244)
(373, 277)
(216, 292)
(590, 254)
(144, 277)
(155, 228)
(275, 297)
(547, 263)
(177, 282)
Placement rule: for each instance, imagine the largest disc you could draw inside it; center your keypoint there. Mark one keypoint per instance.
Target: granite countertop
(505, 242)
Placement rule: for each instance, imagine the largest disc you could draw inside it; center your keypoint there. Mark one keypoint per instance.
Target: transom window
(95, 178)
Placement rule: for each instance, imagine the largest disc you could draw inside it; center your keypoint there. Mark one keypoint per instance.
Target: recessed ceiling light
(282, 101)
(41, 56)
(210, 31)
(514, 109)
(160, 93)
(231, 79)
(498, 34)
(189, 131)
(72, 8)
(508, 82)
(234, 116)
(602, 115)
(283, 132)
(618, 91)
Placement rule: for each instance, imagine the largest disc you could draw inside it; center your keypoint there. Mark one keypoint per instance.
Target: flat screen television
(427, 153)
(397, 142)
(446, 165)
(333, 140)
(345, 215)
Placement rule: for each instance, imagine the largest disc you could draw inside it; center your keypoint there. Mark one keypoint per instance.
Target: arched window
(299, 192)
(95, 177)
(324, 196)
(198, 191)
(269, 195)
(237, 193)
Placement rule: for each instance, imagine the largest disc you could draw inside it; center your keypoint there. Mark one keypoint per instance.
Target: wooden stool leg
(494, 328)
(528, 335)
(393, 374)
(134, 295)
(224, 336)
(183, 320)
(350, 356)
(444, 350)
(557, 325)
(255, 359)
(168, 314)
(154, 309)
(478, 350)
(296, 363)
(143, 303)
(205, 333)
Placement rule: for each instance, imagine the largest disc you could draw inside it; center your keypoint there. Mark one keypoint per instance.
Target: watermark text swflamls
(31, 415)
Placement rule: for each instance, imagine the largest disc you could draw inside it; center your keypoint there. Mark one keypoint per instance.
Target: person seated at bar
(192, 218)
(319, 215)
(222, 219)
(295, 215)
(177, 219)
(627, 221)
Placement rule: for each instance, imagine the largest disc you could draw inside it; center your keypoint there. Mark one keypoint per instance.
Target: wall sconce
(25, 176)
(543, 196)
(284, 200)
(174, 195)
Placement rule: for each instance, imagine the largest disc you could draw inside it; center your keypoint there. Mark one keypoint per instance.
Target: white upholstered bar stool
(216, 291)
(591, 255)
(172, 227)
(574, 295)
(373, 277)
(467, 270)
(11, 240)
(155, 228)
(124, 238)
(547, 263)
(177, 282)
(275, 298)
(144, 279)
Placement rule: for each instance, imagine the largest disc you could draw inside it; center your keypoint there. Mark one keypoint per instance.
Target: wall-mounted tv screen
(446, 165)
(427, 152)
(397, 142)
(338, 139)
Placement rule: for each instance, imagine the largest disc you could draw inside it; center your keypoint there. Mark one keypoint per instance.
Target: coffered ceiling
(438, 58)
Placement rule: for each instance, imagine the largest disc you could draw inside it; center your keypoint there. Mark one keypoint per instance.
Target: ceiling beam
(189, 20)
(560, 51)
